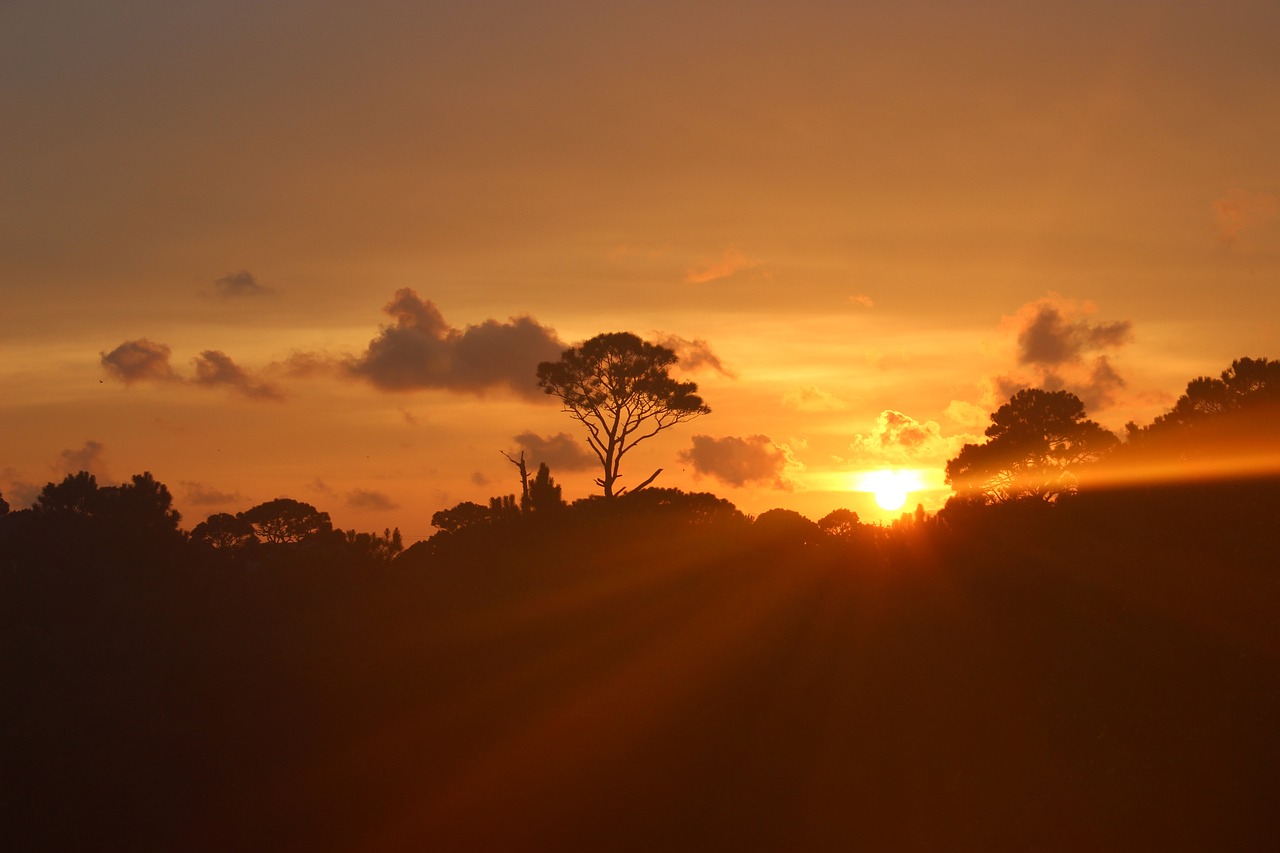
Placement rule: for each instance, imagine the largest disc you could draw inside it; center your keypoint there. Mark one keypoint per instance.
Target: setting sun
(890, 487)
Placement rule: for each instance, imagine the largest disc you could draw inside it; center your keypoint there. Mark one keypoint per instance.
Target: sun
(890, 487)
(891, 497)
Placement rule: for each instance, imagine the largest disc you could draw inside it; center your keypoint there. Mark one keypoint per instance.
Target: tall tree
(1039, 441)
(620, 388)
(544, 492)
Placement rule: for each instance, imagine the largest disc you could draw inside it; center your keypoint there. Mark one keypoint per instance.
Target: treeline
(1041, 450)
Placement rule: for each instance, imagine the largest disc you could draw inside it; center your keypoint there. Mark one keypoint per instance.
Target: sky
(317, 249)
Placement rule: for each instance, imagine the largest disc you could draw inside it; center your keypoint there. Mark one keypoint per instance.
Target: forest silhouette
(1078, 652)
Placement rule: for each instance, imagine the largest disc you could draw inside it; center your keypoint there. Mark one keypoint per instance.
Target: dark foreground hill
(1049, 682)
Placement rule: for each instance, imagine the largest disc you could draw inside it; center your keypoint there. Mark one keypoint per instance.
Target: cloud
(143, 360)
(1047, 337)
(862, 300)
(810, 398)
(304, 365)
(1060, 348)
(239, 285)
(967, 414)
(214, 368)
(318, 485)
(731, 262)
(561, 451)
(738, 461)
(900, 439)
(1241, 210)
(694, 355)
(203, 494)
(369, 499)
(420, 350)
(138, 361)
(87, 458)
(1103, 385)
(19, 492)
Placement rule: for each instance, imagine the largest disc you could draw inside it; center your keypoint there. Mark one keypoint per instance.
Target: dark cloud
(138, 361)
(420, 350)
(237, 285)
(1048, 338)
(203, 494)
(738, 461)
(1062, 349)
(303, 365)
(143, 360)
(561, 451)
(1101, 389)
(369, 499)
(214, 368)
(694, 355)
(87, 458)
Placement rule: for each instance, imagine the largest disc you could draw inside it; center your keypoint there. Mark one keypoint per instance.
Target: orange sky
(875, 222)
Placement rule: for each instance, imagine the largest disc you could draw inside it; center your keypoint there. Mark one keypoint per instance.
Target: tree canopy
(620, 388)
(285, 520)
(1039, 440)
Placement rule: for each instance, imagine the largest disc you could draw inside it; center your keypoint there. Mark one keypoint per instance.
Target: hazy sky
(227, 230)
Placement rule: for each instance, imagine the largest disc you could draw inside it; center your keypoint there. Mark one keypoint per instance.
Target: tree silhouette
(224, 531)
(620, 388)
(77, 494)
(544, 494)
(459, 517)
(842, 523)
(287, 521)
(1216, 416)
(1038, 442)
(1248, 383)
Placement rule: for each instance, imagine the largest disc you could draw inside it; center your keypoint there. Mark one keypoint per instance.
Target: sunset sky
(317, 249)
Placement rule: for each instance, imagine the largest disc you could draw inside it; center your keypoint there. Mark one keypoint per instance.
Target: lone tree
(619, 387)
(1038, 441)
